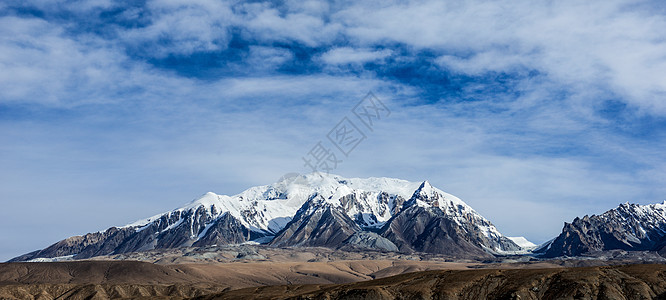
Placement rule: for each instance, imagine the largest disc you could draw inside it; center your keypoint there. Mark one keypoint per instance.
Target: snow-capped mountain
(307, 210)
(627, 227)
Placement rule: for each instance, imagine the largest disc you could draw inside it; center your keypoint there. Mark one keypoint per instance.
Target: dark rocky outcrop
(420, 229)
(317, 224)
(225, 230)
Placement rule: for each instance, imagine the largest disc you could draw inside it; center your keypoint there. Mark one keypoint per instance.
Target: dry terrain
(265, 273)
(119, 279)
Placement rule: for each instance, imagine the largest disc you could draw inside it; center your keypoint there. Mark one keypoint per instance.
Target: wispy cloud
(346, 55)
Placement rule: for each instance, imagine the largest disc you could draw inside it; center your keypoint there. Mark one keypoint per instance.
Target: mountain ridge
(630, 227)
(354, 207)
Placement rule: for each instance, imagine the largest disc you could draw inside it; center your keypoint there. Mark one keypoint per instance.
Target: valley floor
(338, 279)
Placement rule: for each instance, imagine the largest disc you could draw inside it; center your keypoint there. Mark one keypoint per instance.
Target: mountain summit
(382, 214)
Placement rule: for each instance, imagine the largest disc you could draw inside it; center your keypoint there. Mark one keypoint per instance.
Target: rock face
(306, 211)
(419, 229)
(317, 224)
(322, 224)
(225, 230)
(627, 227)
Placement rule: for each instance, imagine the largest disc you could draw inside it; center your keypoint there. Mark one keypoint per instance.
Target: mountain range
(379, 214)
(313, 210)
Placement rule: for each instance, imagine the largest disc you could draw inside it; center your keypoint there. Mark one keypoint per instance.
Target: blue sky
(533, 112)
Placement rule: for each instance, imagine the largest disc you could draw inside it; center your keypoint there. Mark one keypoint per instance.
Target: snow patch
(53, 259)
(522, 242)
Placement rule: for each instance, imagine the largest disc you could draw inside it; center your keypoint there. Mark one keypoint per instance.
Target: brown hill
(612, 282)
(123, 279)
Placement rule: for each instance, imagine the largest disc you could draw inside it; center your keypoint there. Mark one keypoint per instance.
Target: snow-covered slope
(522, 242)
(261, 212)
(268, 208)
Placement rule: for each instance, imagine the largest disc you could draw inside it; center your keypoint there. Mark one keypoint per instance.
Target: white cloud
(267, 58)
(183, 27)
(479, 63)
(268, 24)
(40, 65)
(611, 45)
(321, 8)
(81, 7)
(346, 55)
(589, 50)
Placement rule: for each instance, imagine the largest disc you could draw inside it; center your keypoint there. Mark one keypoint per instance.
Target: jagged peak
(425, 196)
(634, 208)
(626, 204)
(424, 191)
(425, 187)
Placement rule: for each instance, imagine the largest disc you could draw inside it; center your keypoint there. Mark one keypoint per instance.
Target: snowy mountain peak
(428, 196)
(263, 212)
(425, 190)
(208, 199)
(371, 202)
(425, 185)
